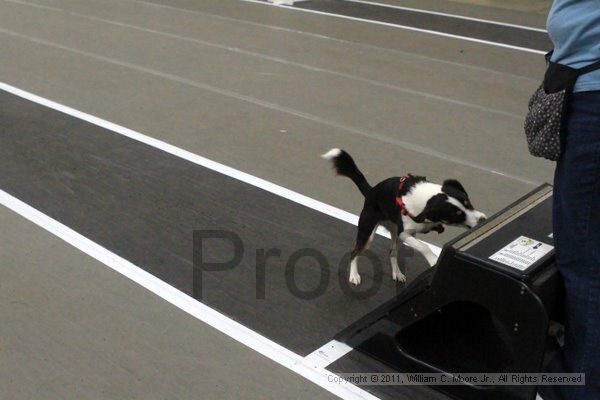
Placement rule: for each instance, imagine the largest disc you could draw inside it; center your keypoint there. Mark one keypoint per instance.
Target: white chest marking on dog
(419, 195)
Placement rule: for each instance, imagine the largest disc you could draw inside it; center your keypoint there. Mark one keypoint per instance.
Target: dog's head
(451, 207)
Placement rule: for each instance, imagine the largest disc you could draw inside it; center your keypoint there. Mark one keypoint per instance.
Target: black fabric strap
(589, 68)
(580, 71)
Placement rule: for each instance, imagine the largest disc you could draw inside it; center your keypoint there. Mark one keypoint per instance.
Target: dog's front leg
(397, 275)
(421, 247)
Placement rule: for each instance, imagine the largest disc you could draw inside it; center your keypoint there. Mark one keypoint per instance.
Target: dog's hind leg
(366, 230)
(421, 247)
(397, 275)
(371, 237)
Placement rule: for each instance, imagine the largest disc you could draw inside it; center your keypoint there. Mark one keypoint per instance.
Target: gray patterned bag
(544, 124)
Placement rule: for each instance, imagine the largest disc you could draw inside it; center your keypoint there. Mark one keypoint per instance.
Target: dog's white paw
(355, 279)
(398, 276)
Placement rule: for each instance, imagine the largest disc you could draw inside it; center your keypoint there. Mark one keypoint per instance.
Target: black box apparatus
(486, 306)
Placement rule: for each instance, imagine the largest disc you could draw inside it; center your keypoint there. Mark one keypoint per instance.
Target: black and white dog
(405, 206)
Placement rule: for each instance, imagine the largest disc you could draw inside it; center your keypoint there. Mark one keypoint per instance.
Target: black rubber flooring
(144, 205)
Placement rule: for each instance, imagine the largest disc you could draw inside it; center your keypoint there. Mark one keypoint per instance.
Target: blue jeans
(576, 219)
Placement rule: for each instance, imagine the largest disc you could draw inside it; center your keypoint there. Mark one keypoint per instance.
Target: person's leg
(577, 239)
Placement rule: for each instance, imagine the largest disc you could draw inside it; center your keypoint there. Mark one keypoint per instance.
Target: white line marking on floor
(456, 16)
(229, 327)
(337, 40)
(327, 354)
(277, 60)
(406, 27)
(266, 104)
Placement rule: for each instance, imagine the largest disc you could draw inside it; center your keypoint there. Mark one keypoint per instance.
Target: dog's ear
(452, 184)
(432, 210)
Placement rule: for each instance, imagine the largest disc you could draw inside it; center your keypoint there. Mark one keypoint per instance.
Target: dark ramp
(479, 30)
(144, 204)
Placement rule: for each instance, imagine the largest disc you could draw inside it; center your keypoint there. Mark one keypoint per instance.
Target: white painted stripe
(406, 27)
(286, 2)
(442, 14)
(239, 332)
(327, 354)
(199, 160)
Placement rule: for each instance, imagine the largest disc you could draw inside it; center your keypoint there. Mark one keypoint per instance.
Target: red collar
(399, 200)
(404, 211)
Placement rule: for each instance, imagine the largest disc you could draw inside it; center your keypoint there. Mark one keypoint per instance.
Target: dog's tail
(344, 165)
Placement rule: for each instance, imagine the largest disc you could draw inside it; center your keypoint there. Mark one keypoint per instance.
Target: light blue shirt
(574, 27)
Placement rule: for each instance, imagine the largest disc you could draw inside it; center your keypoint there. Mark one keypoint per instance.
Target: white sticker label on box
(521, 253)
